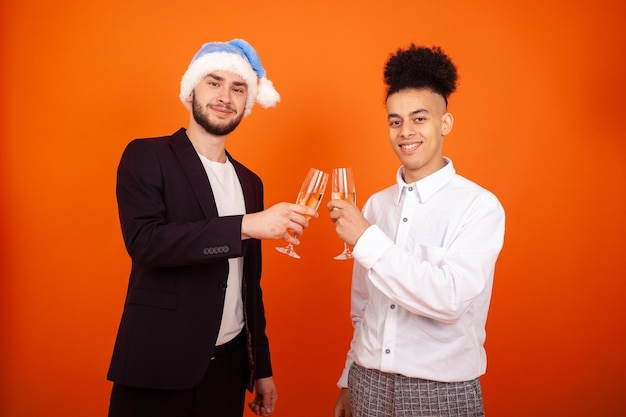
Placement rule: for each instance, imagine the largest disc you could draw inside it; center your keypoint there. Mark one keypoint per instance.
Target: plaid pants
(378, 394)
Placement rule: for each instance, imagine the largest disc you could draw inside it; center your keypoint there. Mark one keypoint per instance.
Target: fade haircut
(420, 68)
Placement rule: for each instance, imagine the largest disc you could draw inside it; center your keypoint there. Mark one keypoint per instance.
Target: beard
(212, 128)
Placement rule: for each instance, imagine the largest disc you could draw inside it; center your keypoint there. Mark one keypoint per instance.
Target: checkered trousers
(378, 394)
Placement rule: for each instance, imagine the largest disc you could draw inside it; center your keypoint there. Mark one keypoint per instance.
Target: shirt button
(393, 306)
(410, 188)
(405, 220)
(223, 285)
(387, 351)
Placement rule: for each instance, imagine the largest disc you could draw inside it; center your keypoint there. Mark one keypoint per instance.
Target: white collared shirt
(422, 278)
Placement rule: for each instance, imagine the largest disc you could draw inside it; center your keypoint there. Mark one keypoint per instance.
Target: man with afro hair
(425, 251)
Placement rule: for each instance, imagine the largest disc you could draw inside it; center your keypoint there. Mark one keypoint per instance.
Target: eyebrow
(218, 78)
(413, 113)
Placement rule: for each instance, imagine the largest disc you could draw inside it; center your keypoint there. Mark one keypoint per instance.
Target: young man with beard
(425, 251)
(192, 335)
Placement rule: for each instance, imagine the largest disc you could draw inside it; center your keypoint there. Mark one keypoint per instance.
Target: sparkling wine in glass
(310, 194)
(343, 189)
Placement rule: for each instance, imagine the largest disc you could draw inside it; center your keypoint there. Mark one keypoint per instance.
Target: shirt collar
(426, 187)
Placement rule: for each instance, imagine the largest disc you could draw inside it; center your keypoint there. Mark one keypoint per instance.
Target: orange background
(538, 120)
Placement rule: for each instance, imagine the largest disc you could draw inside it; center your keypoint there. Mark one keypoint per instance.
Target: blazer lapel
(188, 157)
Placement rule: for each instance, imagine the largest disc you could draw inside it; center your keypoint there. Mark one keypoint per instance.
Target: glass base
(288, 250)
(343, 256)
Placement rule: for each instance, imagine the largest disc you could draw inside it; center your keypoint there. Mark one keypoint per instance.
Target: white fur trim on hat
(267, 96)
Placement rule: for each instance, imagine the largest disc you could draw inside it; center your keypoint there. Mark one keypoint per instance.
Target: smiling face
(418, 122)
(218, 102)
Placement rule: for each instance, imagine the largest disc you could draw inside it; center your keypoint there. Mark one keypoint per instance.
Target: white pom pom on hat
(236, 56)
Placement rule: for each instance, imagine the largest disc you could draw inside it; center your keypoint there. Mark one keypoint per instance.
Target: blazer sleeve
(162, 222)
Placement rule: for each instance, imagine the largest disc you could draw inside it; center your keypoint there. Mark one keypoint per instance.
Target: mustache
(222, 106)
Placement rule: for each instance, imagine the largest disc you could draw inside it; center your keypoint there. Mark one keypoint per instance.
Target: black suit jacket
(179, 249)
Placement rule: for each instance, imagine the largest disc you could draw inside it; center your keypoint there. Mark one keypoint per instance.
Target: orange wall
(539, 121)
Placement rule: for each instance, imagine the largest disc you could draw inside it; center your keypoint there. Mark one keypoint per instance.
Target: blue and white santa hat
(236, 56)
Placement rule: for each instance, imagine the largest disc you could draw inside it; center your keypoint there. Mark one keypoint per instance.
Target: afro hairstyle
(420, 68)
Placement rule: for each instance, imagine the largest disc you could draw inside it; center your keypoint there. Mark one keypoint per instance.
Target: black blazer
(179, 249)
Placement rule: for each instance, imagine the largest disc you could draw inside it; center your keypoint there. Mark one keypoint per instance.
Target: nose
(407, 130)
(224, 95)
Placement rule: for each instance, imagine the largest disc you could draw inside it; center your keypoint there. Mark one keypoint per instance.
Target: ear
(447, 121)
(189, 98)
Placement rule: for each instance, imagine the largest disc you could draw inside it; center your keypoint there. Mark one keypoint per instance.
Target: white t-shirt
(229, 199)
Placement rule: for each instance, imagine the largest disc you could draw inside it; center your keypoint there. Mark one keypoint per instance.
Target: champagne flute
(310, 194)
(343, 189)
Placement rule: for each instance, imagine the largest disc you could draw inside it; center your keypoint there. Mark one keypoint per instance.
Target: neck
(210, 146)
(410, 176)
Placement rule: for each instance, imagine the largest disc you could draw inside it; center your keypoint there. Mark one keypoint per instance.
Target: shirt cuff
(343, 381)
(371, 246)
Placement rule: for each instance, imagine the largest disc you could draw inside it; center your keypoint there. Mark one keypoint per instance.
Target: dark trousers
(220, 393)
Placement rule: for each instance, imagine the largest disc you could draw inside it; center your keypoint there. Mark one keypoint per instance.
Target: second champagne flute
(310, 195)
(343, 189)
